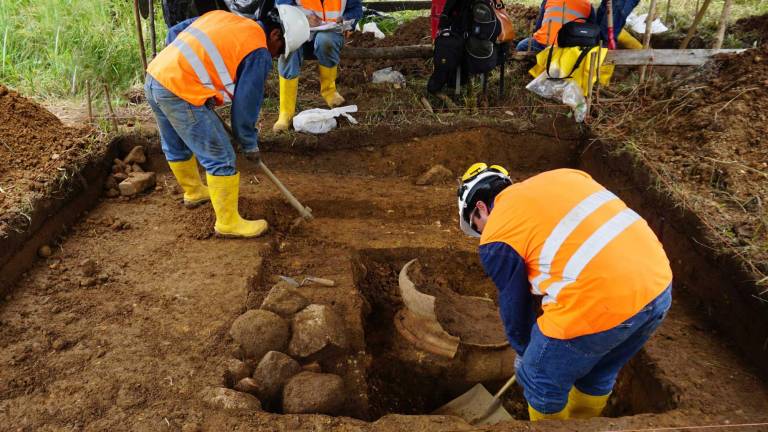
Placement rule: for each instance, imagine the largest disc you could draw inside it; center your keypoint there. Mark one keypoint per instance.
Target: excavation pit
(405, 379)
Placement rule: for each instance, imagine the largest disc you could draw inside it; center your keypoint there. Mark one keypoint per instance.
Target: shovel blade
(473, 405)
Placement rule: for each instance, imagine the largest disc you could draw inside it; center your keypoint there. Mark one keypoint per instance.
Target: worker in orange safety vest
(603, 276)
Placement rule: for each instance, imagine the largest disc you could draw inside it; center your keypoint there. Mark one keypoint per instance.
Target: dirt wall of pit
(725, 290)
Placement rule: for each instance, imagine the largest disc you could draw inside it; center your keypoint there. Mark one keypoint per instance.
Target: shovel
(305, 212)
(478, 407)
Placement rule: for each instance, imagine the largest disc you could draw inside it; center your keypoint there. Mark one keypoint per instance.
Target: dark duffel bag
(579, 34)
(449, 49)
(482, 55)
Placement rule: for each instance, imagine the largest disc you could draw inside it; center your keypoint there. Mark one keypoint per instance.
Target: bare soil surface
(708, 146)
(37, 155)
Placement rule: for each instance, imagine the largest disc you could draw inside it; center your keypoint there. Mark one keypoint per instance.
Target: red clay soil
(709, 143)
(36, 150)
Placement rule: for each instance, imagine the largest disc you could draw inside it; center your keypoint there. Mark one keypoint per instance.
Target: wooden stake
(139, 33)
(724, 17)
(695, 24)
(109, 107)
(647, 35)
(592, 62)
(152, 32)
(90, 102)
(667, 19)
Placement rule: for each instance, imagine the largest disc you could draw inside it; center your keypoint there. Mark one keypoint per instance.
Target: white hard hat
(478, 176)
(295, 28)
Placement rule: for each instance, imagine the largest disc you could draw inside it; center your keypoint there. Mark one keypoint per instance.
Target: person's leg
(597, 385)
(328, 51)
(180, 158)
(289, 71)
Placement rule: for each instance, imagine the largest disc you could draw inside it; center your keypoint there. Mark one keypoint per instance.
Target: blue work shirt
(516, 306)
(352, 11)
(251, 75)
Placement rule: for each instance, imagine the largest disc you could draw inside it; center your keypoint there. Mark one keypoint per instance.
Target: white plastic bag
(637, 24)
(387, 75)
(320, 121)
(371, 27)
(566, 91)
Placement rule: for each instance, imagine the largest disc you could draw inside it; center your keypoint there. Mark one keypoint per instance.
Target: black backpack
(481, 47)
(578, 33)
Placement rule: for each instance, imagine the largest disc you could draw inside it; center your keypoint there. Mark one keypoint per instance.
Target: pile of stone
(280, 349)
(128, 178)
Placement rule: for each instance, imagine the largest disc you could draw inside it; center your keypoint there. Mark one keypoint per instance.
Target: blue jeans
(535, 45)
(186, 129)
(326, 46)
(550, 367)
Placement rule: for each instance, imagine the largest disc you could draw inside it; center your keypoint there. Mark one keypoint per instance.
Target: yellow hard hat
(478, 176)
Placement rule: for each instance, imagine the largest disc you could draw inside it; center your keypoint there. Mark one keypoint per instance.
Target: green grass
(47, 45)
(51, 47)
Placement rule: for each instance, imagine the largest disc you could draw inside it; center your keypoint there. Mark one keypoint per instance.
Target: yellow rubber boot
(328, 86)
(289, 89)
(188, 176)
(584, 406)
(536, 416)
(224, 191)
(627, 41)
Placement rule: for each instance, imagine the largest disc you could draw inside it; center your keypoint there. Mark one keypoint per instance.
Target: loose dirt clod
(44, 251)
(229, 399)
(259, 331)
(271, 374)
(436, 174)
(88, 267)
(317, 328)
(136, 183)
(284, 300)
(310, 392)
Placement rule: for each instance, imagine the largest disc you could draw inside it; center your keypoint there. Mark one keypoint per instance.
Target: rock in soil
(284, 300)
(310, 392)
(317, 328)
(235, 371)
(259, 331)
(137, 182)
(44, 251)
(136, 156)
(247, 385)
(436, 174)
(272, 372)
(229, 399)
(312, 367)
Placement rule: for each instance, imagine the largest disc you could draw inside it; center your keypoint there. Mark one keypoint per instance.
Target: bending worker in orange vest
(216, 58)
(604, 277)
(336, 16)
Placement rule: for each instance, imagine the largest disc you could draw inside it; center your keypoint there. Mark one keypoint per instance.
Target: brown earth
(708, 144)
(37, 155)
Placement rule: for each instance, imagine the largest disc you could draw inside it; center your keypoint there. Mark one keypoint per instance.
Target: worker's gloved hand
(253, 156)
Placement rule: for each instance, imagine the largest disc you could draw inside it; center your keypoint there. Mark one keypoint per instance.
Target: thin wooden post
(669, 3)
(139, 33)
(592, 62)
(695, 24)
(647, 35)
(90, 102)
(724, 17)
(109, 107)
(152, 32)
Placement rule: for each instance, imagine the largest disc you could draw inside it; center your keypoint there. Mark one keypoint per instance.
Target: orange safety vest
(557, 13)
(202, 62)
(326, 10)
(595, 261)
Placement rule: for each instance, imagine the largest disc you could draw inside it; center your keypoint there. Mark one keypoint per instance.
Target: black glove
(253, 156)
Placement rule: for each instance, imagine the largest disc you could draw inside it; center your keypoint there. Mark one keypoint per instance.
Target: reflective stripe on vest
(557, 13)
(584, 254)
(563, 229)
(197, 63)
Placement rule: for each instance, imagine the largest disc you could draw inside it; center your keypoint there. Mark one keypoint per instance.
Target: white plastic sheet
(388, 75)
(320, 121)
(371, 27)
(566, 91)
(637, 24)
